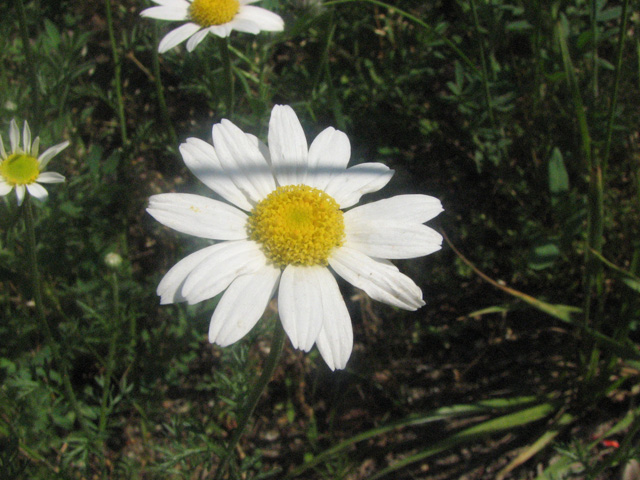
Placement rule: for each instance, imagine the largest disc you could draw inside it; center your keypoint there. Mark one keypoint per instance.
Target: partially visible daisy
(22, 168)
(218, 17)
(281, 228)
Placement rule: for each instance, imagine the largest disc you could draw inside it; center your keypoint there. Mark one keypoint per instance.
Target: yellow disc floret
(297, 225)
(20, 169)
(207, 13)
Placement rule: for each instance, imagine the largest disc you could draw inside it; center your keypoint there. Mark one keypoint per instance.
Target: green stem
(616, 84)
(225, 54)
(117, 73)
(33, 264)
(594, 33)
(417, 21)
(37, 293)
(485, 79)
(106, 386)
(33, 78)
(326, 68)
(537, 37)
(162, 104)
(574, 88)
(593, 277)
(483, 63)
(270, 365)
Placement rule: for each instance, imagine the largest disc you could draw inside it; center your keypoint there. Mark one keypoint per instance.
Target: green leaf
(547, 437)
(93, 158)
(481, 430)
(543, 254)
(609, 14)
(443, 413)
(518, 26)
(494, 309)
(632, 284)
(558, 176)
(52, 33)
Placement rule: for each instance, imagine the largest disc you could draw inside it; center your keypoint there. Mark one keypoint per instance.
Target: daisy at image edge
(216, 17)
(282, 225)
(22, 169)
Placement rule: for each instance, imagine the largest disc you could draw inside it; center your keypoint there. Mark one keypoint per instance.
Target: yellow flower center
(213, 12)
(20, 169)
(297, 225)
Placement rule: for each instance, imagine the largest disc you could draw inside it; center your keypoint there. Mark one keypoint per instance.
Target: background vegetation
(521, 116)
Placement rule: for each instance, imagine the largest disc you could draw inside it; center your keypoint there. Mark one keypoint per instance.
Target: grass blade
(443, 413)
(484, 429)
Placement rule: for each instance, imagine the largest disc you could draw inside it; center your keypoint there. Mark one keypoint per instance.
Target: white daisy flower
(218, 17)
(22, 168)
(281, 228)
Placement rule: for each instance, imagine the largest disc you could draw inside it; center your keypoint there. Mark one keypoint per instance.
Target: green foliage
(521, 116)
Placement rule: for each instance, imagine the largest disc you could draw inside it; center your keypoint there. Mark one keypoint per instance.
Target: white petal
(177, 36)
(50, 177)
(171, 284)
(196, 39)
(201, 159)
(380, 279)
(401, 208)
(242, 159)
(229, 261)
(348, 187)
(246, 26)
(288, 146)
(3, 152)
(26, 138)
(5, 187)
(38, 191)
(220, 30)
(199, 216)
(265, 19)
(300, 303)
(264, 150)
(51, 152)
(35, 147)
(173, 3)
(242, 305)
(392, 240)
(20, 193)
(166, 12)
(14, 136)
(328, 156)
(335, 340)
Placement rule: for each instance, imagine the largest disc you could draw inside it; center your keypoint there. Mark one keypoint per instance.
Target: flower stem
(225, 54)
(33, 78)
(33, 264)
(162, 104)
(117, 73)
(37, 293)
(106, 386)
(274, 355)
